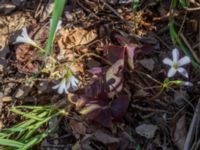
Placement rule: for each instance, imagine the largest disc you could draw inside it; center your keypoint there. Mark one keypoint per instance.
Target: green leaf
(11, 143)
(135, 5)
(57, 12)
(174, 3)
(184, 3)
(27, 115)
(138, 147)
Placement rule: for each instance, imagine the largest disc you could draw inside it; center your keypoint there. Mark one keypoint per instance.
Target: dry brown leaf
(75, 37)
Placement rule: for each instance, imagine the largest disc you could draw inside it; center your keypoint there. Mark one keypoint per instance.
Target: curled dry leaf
(75, 37)
(27, 58)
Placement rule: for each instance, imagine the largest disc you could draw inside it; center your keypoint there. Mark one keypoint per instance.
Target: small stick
(147, 109)
(189, 47)
(193, 9)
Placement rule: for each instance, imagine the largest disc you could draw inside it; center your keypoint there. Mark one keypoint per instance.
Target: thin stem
(90, 54)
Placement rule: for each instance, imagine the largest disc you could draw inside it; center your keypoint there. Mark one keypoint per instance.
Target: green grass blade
(33, 107)
(57, 12)
(37, 139)
(11, 143)
(135, 5)
(184, 3)
(27, 115)
(176, 40)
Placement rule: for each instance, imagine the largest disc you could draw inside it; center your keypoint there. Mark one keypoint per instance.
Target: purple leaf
(114, 53)
(147, 48)
(119, 106)
(104, 117)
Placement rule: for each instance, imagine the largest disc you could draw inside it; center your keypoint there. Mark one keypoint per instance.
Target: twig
(192, 129)
(161, 41)
(192, 9)
(189, 47)
(147, 109)
(115, 12)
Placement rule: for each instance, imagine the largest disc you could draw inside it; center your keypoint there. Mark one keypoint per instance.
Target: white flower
(24, 38)
(176, 64)
(66, 84)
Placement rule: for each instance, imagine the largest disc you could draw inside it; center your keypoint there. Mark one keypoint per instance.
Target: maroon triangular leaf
(147, 49)
(119, 106)
(118, 39)
(104, 117)
(114, 53)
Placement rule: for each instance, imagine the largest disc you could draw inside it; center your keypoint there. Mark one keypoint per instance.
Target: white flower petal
(66, 88)
(25, 33)
(187, 83)
(68, 85)
(20, 40)
(74, 81)
(175, 55)
(183, 61)
(168, 61)
(183, 72)
(61, 89)
(171, 72)
(24, 38)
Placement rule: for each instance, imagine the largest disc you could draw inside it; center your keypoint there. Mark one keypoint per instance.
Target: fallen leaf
(147, 63)
(75, 37)
(114, 53)
(180, 132)
(105, 138)
(147, 130)
(48, 9)
(119, 106)
(78, 128)
(104, 117)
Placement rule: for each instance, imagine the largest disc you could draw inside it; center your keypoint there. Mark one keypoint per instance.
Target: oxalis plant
(25, 134)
